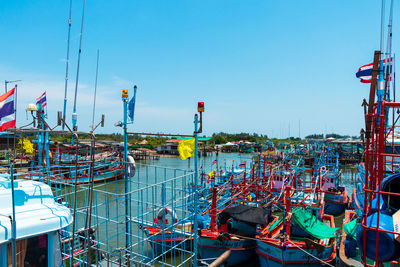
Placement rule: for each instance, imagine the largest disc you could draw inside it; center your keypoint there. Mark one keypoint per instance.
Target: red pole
(213, 211)
(287, 208)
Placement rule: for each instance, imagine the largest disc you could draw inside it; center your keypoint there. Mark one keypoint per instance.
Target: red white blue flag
(365, 72)
(243, 164)
(42, 100)
(214, 162)
(7, 112)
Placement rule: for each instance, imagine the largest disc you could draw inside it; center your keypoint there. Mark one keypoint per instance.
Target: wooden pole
(221, 259)
(375, 71)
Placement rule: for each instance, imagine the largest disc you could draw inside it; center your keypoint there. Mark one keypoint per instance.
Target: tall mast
(74, 115)
(67, 62)
(382, 24)
(381, 81)
(95, 89)
(389, 41)
(389, 62)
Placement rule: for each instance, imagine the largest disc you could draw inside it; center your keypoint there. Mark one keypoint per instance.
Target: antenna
(67, 63)
(74, 115)
(299, 129)
(95, 90)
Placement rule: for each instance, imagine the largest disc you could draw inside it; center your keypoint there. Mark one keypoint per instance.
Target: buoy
(131, 166)
(161, 219)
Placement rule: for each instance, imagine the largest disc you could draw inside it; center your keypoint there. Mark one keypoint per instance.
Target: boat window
(31, 252)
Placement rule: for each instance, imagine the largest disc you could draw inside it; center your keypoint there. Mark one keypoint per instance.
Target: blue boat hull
(168, 242)
(241, 250)
(271, 255)
(335, 204)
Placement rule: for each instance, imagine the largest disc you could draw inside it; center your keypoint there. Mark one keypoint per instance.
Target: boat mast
(389, 50)
(67, 63)
(95, 90)
(382, 24)
(381, 81)
(74, 115)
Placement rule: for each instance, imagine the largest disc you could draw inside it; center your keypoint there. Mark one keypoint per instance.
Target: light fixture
(31, 107)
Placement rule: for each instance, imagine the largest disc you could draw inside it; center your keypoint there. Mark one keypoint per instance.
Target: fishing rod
(74, 115)
(67, 63)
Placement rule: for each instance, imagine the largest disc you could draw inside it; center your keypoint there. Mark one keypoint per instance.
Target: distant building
(7, 141)
(170, 147)
(230, 147)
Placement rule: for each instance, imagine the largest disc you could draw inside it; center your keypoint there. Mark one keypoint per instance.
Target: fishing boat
(304, 236)
(167, 236)
(349, 254)
(234, 230)
(73, 164)
(335, 196)
(38, 223)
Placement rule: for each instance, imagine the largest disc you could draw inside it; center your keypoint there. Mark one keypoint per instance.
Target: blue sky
(259, 66)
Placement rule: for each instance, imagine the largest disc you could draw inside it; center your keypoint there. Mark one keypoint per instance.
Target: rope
(255, 239)
(324, 262)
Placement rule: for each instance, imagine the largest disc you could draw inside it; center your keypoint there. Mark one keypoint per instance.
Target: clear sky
(259, 66)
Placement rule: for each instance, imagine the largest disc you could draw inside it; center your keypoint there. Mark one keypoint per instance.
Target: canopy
(350, 229)
(310, 224)
(246, 214)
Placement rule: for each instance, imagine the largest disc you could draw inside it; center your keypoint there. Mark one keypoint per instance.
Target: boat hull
(273, 254)
(241, 249)
(335, 203)
(167, 242)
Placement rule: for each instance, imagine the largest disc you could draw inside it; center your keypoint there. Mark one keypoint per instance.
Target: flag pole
(15, 107)
(45, 93)
(13, 221)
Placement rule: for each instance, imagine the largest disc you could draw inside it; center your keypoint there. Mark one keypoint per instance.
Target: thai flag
(7, 112)
(243, 164)
(365, 72)
(42, 100)
(214, 162)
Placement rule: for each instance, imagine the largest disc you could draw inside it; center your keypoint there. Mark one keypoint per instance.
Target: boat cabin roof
(36, 211)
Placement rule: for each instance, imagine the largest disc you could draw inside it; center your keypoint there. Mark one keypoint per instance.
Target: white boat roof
(36, 211)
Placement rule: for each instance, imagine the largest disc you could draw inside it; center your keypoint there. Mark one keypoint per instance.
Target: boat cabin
(279, 179)
(39, 220)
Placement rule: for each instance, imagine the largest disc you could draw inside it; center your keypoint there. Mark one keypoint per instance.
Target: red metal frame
(375, 169)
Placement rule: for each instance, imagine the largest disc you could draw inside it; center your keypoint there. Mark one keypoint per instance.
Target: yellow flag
(211, 174)
(186, 149)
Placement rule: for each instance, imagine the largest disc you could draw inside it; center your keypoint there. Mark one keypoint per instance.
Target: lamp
(31, 107)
